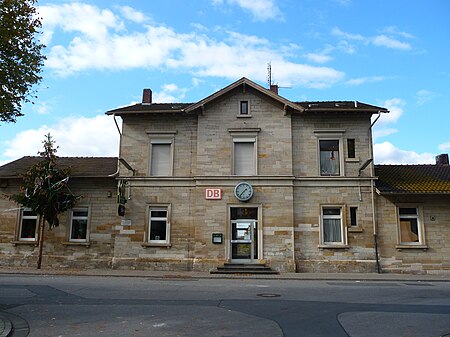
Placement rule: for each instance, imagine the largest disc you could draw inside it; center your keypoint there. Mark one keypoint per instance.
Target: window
(161, 153)
(351, 148)
(244, 161)
(79, 219)
(159, 225)
(28, 225)
(332, 229)
(353, 218)
(410, 226)
(329, 157)
(243, 108)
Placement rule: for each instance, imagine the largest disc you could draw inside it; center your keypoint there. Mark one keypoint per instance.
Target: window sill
(334, 246)
(70, 243)
(244, 116)
(29, 243)
(400, 247)
(355, 229)
(149, 244)
(352, 160)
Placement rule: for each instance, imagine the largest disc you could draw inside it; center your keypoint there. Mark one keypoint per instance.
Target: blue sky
(102, 53)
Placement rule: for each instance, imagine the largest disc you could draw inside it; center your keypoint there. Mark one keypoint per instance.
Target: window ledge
(334, 246)
(352, 160)
(70, 243)
(29, 243)
(400, 247)
(355, 229)
(149, 244)
(244, 116)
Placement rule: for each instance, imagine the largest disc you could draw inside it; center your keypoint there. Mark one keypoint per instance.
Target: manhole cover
(268, 295)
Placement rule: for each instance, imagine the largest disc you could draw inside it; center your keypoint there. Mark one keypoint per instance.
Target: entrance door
(244, 235)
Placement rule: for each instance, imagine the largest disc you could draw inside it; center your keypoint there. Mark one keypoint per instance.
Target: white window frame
(27, 217)
(245, 140)
(331, 135)
(245, 135)
(341, 217)
(420, 225)
(158, 138)
(158, 207)
(72, 218)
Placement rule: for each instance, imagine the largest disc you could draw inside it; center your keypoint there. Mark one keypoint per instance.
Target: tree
(21, 60)
(45, 191)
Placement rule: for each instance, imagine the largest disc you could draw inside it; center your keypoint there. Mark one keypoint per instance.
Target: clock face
(243, 191)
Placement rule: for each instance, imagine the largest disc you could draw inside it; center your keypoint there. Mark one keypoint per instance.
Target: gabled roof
(244, 82)
(80, 167)
(341, 106)
(413, 179)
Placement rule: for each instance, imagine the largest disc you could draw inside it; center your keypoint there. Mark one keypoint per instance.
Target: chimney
(147, 96)
(442, 159)
(274, 88)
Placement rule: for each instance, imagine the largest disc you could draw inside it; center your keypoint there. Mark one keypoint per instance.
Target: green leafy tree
(45, 191)
(21, 60)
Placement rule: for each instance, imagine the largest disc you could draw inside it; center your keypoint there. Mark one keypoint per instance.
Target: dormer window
(244, 108)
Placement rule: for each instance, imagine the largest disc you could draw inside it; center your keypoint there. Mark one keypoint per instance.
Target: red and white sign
(213, 194)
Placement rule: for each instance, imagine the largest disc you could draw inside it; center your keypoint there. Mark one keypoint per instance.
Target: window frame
(331, 135)
(168, 209)
(351, 148)
(244, 135)
(88, 221)
(161, 138)
(241, 102)
(420, 226)
(343, 226)
(36, 229)
(251, 140)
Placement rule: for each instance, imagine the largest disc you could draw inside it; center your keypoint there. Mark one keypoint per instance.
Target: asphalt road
(123, 306)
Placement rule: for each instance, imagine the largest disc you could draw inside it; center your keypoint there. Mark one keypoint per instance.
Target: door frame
(259, 233)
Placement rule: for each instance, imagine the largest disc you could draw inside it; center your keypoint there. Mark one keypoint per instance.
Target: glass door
(244, 235)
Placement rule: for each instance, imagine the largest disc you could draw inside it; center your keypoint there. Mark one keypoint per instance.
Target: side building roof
(81, 167)
(413, 179)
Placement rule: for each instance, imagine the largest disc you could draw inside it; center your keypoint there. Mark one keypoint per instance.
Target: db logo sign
(213, 194)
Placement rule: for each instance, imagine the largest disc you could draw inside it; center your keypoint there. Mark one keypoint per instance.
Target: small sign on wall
(213, 194)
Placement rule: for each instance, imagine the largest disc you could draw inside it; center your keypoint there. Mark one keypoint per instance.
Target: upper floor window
(79, 219)
(161, 153)
(351, 153)
(28, 225)
(244, 108)
(244, 161)
(329, 157)
(411, 231)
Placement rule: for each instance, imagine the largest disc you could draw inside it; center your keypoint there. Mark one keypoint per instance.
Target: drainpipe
(372, 188)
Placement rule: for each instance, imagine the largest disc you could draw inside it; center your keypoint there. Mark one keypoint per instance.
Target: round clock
(243, 191)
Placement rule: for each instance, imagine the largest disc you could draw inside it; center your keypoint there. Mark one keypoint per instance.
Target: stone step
(240, 268)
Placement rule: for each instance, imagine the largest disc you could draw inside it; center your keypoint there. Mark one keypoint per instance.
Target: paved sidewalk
(207, 275)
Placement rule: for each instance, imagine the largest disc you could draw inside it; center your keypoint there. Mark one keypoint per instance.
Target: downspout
(372, 188)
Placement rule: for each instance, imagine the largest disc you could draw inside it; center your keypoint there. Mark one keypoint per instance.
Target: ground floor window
(410, 226)
(79, 219)
(28, 225)
(159, 224)
(332, 226)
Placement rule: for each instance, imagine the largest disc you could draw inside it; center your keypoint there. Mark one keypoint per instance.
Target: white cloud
(379, 40)
(100, 40)
(389, 42)
(318, 58)
(387, 153)
(395, 107)
(132, 14)
(444, 146)
(75, 136)
(393, 30)
(261, 10)
(383, 133)
(423, 96)
(362, 80)
(170, 93)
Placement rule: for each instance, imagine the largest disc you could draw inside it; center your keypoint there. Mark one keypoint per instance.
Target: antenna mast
(269, 74)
